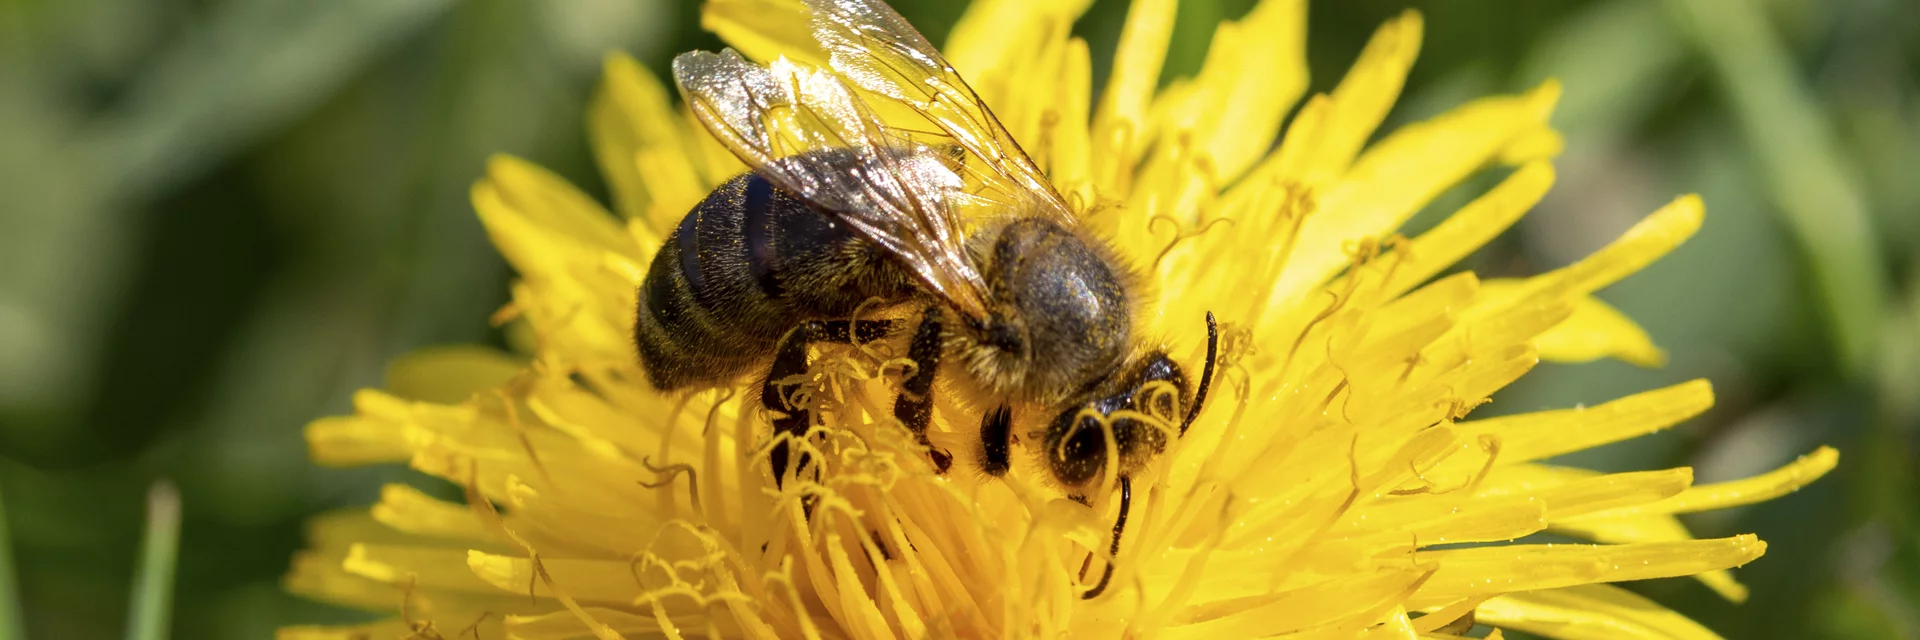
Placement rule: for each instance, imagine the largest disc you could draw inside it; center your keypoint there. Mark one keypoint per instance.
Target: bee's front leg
(996, 441)
(1113, 549)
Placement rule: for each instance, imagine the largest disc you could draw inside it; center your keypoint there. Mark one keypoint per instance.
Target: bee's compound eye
(1076, 454)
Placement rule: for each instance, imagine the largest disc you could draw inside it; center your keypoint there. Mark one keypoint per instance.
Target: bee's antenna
(1206, 377)
(1119, 526)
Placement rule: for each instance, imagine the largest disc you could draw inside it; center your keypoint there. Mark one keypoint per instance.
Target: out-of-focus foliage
(219, 217)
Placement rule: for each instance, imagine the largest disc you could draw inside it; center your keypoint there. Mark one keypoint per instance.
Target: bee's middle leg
(914, 407)
(790, 360)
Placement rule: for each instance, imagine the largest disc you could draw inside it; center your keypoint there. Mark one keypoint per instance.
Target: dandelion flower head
(1336, 484)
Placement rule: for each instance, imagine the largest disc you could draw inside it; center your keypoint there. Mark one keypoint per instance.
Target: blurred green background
(220, 217)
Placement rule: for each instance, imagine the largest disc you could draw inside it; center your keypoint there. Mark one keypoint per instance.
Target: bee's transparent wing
(875, 49)
(809, 134)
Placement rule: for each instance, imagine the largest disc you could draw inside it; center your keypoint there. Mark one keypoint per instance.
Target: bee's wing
(809, 134)
(874, 48)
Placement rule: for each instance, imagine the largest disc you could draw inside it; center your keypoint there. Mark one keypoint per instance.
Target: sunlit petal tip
(1545, 96)
(1723, 584)
(494, 569)
(350, 441)
(1408, 28)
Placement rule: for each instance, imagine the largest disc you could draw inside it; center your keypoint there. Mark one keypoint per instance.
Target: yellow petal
(1652, 522)
(763, 30)
(1532, 436)
(564, 625)
(1571, 492)
(351, 441)
(408, 509)
(449, 374)
(577, 263)
(1447, 521)
(630, 111)
(1653, 528)
(325, 575)
(1071, 165)
(1539, 144)
(1643, 529)
(1358, 105)
(1721, 581)
(556, 206)
(464, 622)
(1595, 330)
(1254, 71)
(382, 629)
(1397, 627)
(318, 576)
(1397, 176)
(1645, 242)
(1211, 128)
(417, 567)
(1015, 56)
(1760, 488)
(637, 142)
(338, 530)
(674, 186)
(1120, 126)
(1327, 603)
(1471, 227)
(1590, 612)
(714, 160)
(988, 35)
(1468, 572)
(995, 43)
(601, 581)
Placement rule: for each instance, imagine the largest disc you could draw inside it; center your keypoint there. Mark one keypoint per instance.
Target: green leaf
(255, 65)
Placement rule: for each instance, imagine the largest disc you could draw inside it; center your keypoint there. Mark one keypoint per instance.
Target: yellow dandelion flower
(1332, 487)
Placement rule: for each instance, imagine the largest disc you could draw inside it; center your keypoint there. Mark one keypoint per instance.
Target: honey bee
(938, 213)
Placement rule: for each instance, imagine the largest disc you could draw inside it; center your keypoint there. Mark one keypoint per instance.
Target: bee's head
(1141, 407)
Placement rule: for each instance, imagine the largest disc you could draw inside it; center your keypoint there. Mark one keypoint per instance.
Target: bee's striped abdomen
(746, 265)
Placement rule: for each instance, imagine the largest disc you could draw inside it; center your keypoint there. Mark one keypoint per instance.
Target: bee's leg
(996, 434)
(914, 407)
(789, 360)
(1113, 551)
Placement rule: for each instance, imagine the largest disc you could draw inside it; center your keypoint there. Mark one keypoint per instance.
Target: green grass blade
(13, 625)
(159, 554)
(1794, 145)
